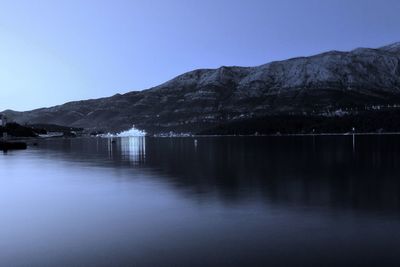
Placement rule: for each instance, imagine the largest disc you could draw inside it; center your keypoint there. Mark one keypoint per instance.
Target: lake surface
(228, 201)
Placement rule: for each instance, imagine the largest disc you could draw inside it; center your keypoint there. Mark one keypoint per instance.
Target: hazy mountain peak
(395, 47)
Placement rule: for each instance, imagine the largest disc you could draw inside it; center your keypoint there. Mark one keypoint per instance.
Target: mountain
(330, 84)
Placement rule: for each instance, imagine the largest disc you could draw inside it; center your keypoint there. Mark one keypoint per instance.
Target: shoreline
(33, 139)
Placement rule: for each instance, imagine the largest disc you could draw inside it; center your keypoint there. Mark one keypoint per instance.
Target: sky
(55, 51)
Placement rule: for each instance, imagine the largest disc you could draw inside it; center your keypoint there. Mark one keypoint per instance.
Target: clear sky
(54, 51)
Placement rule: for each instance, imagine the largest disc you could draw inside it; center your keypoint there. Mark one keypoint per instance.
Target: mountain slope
(204, 98)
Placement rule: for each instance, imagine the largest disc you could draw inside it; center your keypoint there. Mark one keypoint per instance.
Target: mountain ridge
(203, 98)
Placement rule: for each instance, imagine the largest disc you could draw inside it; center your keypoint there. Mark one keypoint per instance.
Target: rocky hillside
(329, 84)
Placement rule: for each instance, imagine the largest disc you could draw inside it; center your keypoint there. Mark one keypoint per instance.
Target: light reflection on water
(133, 149)
(218, 201)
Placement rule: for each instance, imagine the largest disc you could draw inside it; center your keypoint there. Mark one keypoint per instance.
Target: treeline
(17, 130)
(367, 122)
(45, 128)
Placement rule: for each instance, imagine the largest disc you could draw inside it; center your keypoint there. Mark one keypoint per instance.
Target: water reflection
(306, 171)
(287, 201)
(128, 149)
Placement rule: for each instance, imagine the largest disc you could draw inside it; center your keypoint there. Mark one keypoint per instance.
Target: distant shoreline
(289, 135)
(278, 135)
(32, 139)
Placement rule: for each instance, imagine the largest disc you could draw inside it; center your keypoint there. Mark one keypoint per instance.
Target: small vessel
(5, 146)
(51, 135)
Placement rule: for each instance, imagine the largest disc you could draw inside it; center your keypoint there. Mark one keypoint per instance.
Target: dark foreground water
(223, 202)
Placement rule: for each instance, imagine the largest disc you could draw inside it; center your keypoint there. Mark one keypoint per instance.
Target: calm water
(223, 202)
